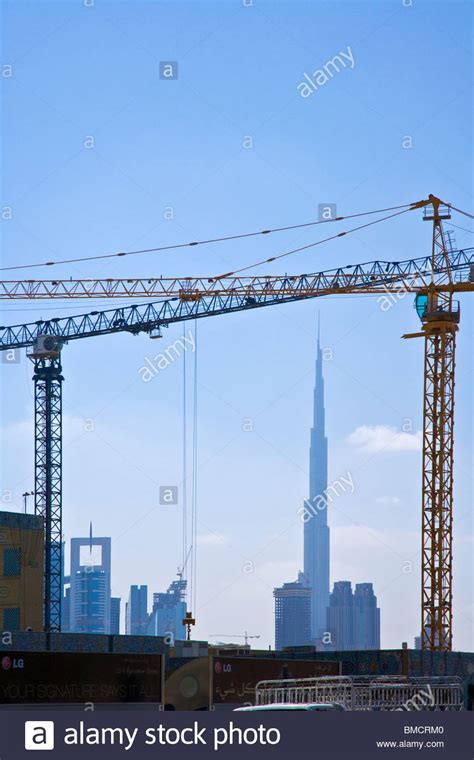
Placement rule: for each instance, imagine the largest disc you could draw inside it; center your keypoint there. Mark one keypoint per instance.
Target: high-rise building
(341, 620)
(366, 617)
(340, 616)
(66, 609)
(169, 610)
(21, 571)
(65, 598)
(90, 585)
(115, 614)
(316, 530)
(292, 614)
(353, 619)
(136, 611)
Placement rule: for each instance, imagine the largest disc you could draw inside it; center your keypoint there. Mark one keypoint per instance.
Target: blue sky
(82, 71)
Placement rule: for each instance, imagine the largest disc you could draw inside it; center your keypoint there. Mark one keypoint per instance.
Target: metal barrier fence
(367, 693)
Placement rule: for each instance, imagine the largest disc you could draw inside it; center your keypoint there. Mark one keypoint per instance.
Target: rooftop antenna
(25, 499)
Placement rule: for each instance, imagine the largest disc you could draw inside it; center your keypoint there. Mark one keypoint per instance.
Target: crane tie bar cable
(460, 211)
(310, 245)
(406, 206)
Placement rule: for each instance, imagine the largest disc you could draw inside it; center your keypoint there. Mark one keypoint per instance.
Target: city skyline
(88, 605)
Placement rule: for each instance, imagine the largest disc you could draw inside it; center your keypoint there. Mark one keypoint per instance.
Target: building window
(11, 619)
(11, 562)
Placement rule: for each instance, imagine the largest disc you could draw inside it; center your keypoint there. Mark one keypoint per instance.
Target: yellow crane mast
(440, 318)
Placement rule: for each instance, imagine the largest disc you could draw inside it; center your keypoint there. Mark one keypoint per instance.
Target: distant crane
(245, 635)
(181, 570)
(188, 620)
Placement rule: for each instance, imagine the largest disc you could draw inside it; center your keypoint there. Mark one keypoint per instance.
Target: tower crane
(434, 279)
(245, 635)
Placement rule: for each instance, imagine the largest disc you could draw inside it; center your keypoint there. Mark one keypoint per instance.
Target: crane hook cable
(406, 206)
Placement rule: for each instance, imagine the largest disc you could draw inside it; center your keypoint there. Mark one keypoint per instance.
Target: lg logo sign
(39, 734)
(11, 662)
(6, 663)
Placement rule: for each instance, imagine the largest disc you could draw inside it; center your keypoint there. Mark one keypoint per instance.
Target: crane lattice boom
(366, 277)
(375, 277)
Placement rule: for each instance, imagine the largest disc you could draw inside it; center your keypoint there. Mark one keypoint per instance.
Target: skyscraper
(366, 617)
(66, 609)
(353, 619)
(136, 611)
(169, 609)
(115, 615)
(292, 614)
(66, 591)
(340, 616)
(90, 585)
(316, 530)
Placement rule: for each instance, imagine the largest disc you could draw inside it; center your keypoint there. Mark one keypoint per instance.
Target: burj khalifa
(316, 530)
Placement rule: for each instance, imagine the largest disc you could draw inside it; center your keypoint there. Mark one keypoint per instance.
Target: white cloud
(377, 438)
(388, 501)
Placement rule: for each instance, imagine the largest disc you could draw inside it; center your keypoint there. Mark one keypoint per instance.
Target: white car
(323, 706)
